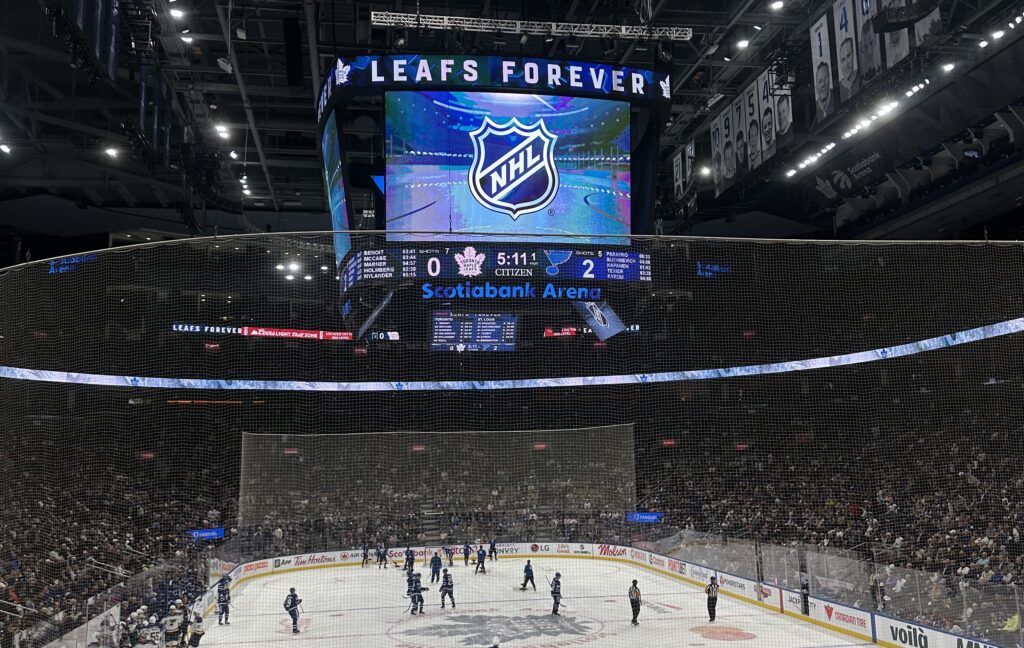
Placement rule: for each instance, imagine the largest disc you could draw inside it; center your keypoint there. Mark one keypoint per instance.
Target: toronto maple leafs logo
(666, 88)
(513, 169)
(341, 72)
(484, 630)
(471, 263)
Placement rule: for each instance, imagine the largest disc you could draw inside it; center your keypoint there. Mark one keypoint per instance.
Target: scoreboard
(473, 331)
(495, 262)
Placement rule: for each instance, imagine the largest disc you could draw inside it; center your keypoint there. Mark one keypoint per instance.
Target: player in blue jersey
(435, 568)
(466, 550)
(410, 559)
(556, 593)
(528, 577)
(481, 561)
(447, 589)
(223, 604)
(449, 553)
(494, 549)
(366, 555)
(291, 606)
(416, 594)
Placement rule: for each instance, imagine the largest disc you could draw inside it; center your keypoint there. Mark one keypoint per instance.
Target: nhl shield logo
(513, 169)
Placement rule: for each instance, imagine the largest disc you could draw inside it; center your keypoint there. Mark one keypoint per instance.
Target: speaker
(293, 51)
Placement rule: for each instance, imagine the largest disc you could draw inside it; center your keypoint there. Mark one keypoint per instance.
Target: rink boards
(859, 624)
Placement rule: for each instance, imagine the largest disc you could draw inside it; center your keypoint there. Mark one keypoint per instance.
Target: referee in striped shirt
(634, 602)
(712, 591)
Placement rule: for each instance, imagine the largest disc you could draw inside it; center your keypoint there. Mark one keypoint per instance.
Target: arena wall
(864, 625)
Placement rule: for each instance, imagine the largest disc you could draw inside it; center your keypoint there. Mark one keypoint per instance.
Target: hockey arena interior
(511, 324)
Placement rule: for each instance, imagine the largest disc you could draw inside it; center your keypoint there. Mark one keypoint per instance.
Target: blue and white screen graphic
(331, 147)
(522, 164)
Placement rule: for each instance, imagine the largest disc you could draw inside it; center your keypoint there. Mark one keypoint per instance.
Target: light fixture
(224, 135)
(743, 44)
(308, 278)
(790, 173)
(705, 171)
(280, 266)
(289, 277)
(225, 65)
(983, 43)
(111, 152)
(524, 39)
(802, 165)
(909, 93)
(5, 149)
(998, 34)
(293, 266)
(1018, 19)
(246, 191)
(726, 59)
(177, 14)
(186, 30)
(1011, 25)
(776, 6)
(324, 268)
(220, 128)
(186, 39)
(233, 155)
(757, 27)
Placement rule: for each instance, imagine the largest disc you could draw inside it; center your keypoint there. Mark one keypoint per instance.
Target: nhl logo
(513, 169)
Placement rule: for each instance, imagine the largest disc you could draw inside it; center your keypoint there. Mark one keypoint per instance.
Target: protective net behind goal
(432, 486)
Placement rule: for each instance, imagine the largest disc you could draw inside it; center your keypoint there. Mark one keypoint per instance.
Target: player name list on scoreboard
(473, 331)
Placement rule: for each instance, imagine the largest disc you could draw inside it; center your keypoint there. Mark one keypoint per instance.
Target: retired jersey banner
(716, 155)
(869, 53)
(897, 43)
(768, 122)
(846, 48)
(821, 70)
(752, 124)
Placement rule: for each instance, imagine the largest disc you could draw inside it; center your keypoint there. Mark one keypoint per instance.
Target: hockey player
(447, 589)
(366, 555)
(382, 555)
(634, 602)
(481, 561)
(223, 604)
(556, 593)
(417, 594)
(435, 568)
(410, 559)
(528, 577)
(291, 605)
(198, 630)
(449, 554)
(494, 549)
(466, 550)
(712, 591)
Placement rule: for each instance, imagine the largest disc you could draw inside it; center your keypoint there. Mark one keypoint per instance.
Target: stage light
(757, 27)
(293, 266)
(949, 67)
(324, 268)
(998, 34)
(790, 173)
(1018, 19)
(246, 191)
(233, 155)
(177, 14)
(5, 149)
(983, 43)
(909, 93)
(705, 171)
(1011, 25)
(726, 59)
(802, 165)
(279, 266)
(186, 39)
(220, 128)
(776, 6)
(289, 277)
(743, 44)
(111, 152)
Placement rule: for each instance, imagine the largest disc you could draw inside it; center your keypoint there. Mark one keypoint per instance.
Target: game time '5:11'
(517, 258)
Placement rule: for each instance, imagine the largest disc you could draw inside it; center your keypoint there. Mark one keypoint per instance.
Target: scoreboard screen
(473, 331)
(496, 262)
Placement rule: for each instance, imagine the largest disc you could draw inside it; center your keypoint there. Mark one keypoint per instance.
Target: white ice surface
(356, 607)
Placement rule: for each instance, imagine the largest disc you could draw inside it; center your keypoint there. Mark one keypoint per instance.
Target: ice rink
(365, 608)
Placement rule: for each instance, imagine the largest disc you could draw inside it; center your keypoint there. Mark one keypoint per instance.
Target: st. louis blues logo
(513, 168)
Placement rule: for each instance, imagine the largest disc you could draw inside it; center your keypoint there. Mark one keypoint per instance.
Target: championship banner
(821, 70)
(768, 123)
(846, 48)
(869, 55)
(689, 155)
(897, 43)
(752, 124)
(739, 142)
(716, 155)
(678, 183)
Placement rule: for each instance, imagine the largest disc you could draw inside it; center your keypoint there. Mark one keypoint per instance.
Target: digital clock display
(496, 262)
(473, 331)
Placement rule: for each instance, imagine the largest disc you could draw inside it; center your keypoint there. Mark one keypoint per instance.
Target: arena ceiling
(62, 117)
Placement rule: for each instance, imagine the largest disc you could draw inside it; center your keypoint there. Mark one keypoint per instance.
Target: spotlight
(186, 39)
(1018, 19)
(802, 165)
(246, 191)
(289, 277)
(790, 173)
(111, 152)
(5, 149)
(324, 268)
(1011, 25)
(233, 155)
(909, 93)
(220, 128)
(997, 35)
(757, 27)
(726, 59)
(280, 266)
(983, 44)
(705, 171)
(308, 278)
(776, 6)
(743, 44)
(177, 14)
(224, 135)
(293, 266)
(949, 67)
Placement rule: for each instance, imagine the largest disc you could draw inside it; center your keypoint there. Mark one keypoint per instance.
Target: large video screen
(529, 165)
(335, 190)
